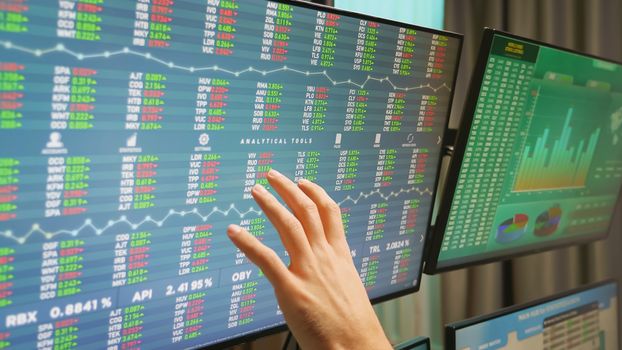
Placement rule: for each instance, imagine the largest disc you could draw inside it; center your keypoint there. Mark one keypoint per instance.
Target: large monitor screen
(538, 162)
(132, 132)
(581, 319)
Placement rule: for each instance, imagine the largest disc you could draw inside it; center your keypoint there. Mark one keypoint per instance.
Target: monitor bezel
(320, 7)
(413, 343)
(452, 328)
(460, 143)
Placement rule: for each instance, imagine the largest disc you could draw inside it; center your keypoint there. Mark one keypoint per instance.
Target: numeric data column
(11, 94)
(59, 335)
(131, 258)
(395, 112)
(220, 27)
(404, 52)
(196, 249)
(188, 317)
(7, 266)
(212, 103)
(9, 188)
(366, 44)
(67, 186)
(125, 327)
(315, 108)
(277, 30)
(73, 98)
(61, 268)
(257, 167)
(79, 19)
(385, 168)
(203, 177)
(356, 110)
(401, 261)
(242, 304)
(138, 178)
(368, 273)
(410, 213)
(418, 166)
(268, 100)
(152, 27)
(307, 164)
(436, 57)
(376, 221)
(325, 39)
(145, 102)
(347, 170)
(14, 19)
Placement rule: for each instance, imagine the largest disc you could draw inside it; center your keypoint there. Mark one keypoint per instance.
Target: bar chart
(552, 164)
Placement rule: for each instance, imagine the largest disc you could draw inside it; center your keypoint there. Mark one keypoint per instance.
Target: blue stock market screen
(585, 319)
(132, 132)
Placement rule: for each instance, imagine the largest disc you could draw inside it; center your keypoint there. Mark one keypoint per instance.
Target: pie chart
(512, 229)
(548, 222)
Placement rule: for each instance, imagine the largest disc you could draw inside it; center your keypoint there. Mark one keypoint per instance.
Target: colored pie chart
(512, 229)
(548, 222)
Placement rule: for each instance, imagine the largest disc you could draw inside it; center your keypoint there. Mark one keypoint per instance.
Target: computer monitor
(419, 343)
(538, 158)
(585, 318)
(131, 135)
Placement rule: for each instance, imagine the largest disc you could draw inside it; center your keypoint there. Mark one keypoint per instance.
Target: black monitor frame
(459, 148)
(460, 38)
(413, 343)
(452, 328)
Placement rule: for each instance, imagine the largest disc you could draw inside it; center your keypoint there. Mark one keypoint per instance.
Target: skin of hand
(320, 292)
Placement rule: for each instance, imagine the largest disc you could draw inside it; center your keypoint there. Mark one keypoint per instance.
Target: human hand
(320, 293)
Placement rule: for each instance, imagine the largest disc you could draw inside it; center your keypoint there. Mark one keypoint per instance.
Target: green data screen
(543, 160)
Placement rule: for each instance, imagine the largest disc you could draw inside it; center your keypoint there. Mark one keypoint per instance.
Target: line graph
(60, 48)
(88, 224)
(123, 220)
(366, 195)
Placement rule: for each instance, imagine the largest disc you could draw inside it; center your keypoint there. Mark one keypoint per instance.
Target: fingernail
(233, 229)
(273, 173)
(259, 188)
(303, 181)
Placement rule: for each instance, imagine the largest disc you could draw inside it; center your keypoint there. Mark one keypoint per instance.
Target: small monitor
(538, 159)
(419, 343)
(585, 318)
(132, 133)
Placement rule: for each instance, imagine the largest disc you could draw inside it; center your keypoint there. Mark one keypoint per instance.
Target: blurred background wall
(592, 26)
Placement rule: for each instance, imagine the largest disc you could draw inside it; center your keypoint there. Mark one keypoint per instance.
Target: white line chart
(88, 224)
(60, 48)
(123, 220)
(383, 196)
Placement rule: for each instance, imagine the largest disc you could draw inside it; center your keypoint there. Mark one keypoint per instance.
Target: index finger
(302, 206)
(261, 255)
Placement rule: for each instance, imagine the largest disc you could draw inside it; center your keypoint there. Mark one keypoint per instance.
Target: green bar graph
(561, 166)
